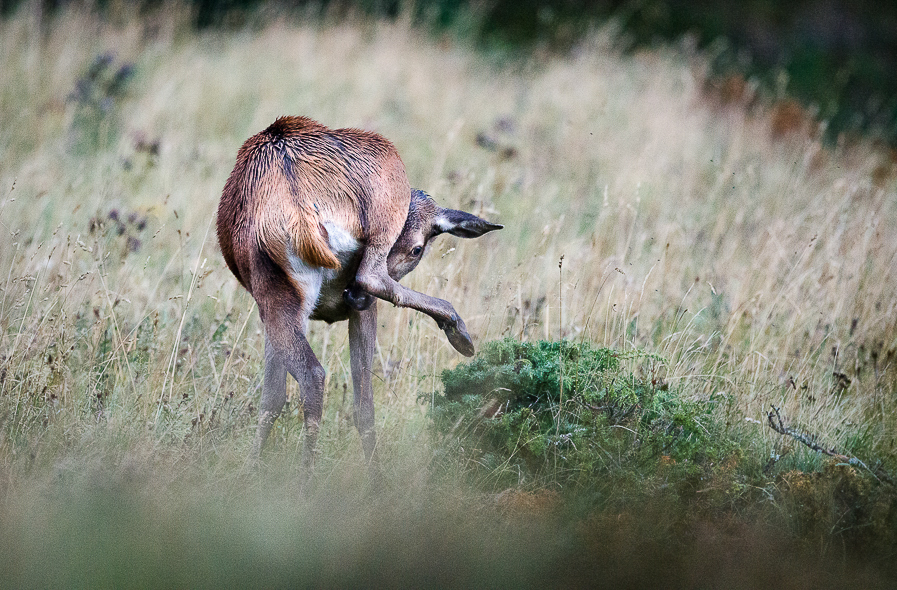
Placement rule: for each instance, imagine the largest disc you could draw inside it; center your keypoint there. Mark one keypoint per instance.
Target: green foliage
(838, 63)
(569, 412)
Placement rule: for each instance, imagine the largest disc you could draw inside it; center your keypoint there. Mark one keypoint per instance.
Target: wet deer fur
(316, 223)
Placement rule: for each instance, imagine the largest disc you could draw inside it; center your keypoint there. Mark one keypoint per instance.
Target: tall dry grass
(759, 266)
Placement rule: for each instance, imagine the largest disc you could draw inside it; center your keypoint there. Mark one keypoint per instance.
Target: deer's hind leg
(374, 278)
(285, 313)
(274, 395)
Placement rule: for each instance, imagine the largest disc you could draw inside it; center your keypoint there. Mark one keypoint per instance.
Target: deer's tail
(287, 223)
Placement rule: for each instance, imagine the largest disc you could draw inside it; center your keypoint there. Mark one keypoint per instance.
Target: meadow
(712, 240)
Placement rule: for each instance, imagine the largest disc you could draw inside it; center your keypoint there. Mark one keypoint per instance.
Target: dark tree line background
(839, 57)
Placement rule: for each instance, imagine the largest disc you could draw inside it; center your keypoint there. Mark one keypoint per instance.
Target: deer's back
(300, 193)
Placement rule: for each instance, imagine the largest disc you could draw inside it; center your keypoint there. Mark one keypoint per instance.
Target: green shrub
(568, 412)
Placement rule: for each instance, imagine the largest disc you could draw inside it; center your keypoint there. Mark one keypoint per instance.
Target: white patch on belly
(308, 278)
(341, 241)
(311, 279)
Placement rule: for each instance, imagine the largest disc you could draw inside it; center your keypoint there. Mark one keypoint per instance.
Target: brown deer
(316, 223)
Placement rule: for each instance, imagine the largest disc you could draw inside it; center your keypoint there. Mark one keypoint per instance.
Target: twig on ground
(811, 440)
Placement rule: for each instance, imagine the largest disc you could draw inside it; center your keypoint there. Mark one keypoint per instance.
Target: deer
(317, 224)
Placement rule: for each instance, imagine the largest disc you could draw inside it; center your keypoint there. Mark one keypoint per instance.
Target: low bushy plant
(570, 412)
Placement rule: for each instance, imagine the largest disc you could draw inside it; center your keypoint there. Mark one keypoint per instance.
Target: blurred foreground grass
(126, 530)
(756, 263)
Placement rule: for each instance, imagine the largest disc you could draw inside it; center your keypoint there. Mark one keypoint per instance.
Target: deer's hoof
(459, 338)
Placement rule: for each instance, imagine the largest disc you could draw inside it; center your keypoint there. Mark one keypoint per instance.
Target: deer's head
(425, 221)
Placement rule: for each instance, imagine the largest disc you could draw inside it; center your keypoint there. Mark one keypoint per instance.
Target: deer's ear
(462, 224)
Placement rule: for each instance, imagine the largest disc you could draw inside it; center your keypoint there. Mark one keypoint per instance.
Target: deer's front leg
(362, 340)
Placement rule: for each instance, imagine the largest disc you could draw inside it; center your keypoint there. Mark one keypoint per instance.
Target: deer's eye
(417, 250)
